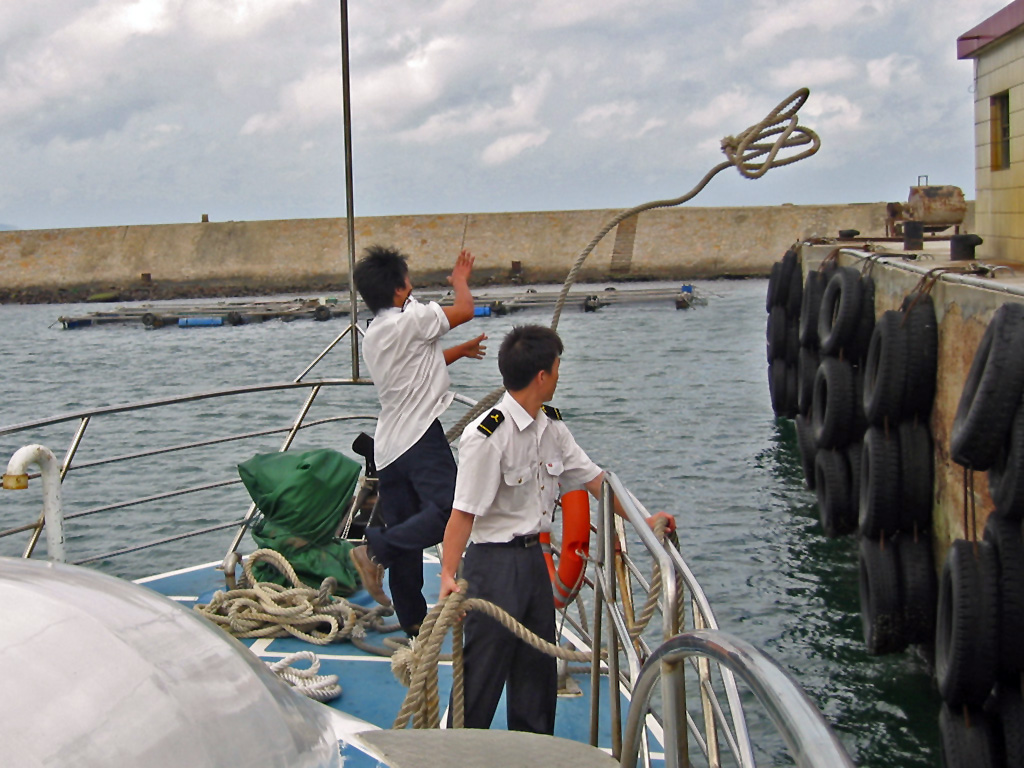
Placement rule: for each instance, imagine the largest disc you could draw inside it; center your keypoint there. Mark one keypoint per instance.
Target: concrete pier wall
(311, 254)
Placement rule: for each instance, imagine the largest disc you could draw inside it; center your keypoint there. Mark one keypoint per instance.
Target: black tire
(322, 313)
(967, 624)
(234, 318)
(881, 609)
(1009, 721)
(916, 476)
(777, 334)
(922, 335)
(967, 745)
(807, 448)
(809, 308)
(866, 324)
(832, 407)
(840, 311)
(853, 460)
(807, 368)
(885, 370)
(991, 392)
(832, 482)
(791, 405)
(149, 320)
(1005, 536)
(795, 295)
(778, 383)
(860, 420)
(789, 265)
(1006, 475)
(792, 354)
(878, 512)
(773, 286)
(920, 587)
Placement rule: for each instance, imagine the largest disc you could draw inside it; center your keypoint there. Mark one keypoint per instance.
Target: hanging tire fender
(810, 306)
(967, 744)
(1005, 536)
(991, 391)
(840, 311)
(967, 623)
(885, 370)
(917, 471)
(919, 586)
(832, 482)
(879, 508)
(880, 602)
(1006, 475)
(921, 329)
(832, 413)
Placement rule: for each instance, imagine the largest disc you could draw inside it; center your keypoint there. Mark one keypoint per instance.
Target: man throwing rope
(415, 465)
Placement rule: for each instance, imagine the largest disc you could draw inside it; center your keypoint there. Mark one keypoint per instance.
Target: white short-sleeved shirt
(510, 479)
(402, 349)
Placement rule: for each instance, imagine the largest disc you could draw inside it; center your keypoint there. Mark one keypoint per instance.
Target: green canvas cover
(303, 496)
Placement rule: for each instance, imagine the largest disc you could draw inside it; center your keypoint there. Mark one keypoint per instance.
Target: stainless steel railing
(85, 422)
(686, 645)
(810, 739)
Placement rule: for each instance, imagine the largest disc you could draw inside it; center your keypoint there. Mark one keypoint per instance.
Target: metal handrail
(86, 417)
(174, 400)
(204, 443)
(811, 741)
(674, 712)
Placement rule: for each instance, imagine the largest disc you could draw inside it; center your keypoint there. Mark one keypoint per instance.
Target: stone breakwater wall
(310, 255)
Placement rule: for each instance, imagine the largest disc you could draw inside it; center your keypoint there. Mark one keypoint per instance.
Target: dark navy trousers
(415, 494)
(516, 579)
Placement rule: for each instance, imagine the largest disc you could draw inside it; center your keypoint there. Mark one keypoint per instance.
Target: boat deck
(370, 691)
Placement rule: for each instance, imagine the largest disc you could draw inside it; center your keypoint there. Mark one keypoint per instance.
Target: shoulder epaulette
(491, 422)
(552, 412)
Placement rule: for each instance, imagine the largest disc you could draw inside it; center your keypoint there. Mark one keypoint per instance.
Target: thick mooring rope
(271, 610)
(752, 152)
(264, 609)
(416, 666)
(642, 619)
(306, 681)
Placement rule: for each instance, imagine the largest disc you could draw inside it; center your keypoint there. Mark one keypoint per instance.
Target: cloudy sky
(158, 111)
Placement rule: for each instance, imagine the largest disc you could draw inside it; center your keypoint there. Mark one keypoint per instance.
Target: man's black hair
(378, 274)
(525, 351)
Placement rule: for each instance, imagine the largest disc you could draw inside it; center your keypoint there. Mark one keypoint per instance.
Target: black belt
(530, 540)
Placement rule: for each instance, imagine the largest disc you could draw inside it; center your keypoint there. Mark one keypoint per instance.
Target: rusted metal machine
(935, 208)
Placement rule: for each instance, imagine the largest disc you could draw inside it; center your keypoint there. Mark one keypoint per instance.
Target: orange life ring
(575, 547)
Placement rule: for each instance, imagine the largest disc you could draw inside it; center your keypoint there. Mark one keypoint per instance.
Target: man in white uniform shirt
(415, 466)
(511, 463)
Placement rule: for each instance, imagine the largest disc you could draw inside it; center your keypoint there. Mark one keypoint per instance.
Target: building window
(1000, 120)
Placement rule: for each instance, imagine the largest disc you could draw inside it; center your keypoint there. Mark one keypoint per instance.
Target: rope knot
(743, 151)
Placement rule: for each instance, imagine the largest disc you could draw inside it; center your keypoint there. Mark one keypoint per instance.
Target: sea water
(674, 402)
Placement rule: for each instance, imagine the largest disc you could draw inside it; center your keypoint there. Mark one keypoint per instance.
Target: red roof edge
(995, 27)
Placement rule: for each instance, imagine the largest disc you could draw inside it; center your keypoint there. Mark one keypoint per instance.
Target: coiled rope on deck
(306, 681)
(265, 609)
(753, 152)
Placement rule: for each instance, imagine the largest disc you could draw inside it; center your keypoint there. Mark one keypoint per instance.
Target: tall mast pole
(346, 97)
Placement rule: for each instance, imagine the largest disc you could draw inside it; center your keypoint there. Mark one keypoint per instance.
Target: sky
(120, 112)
